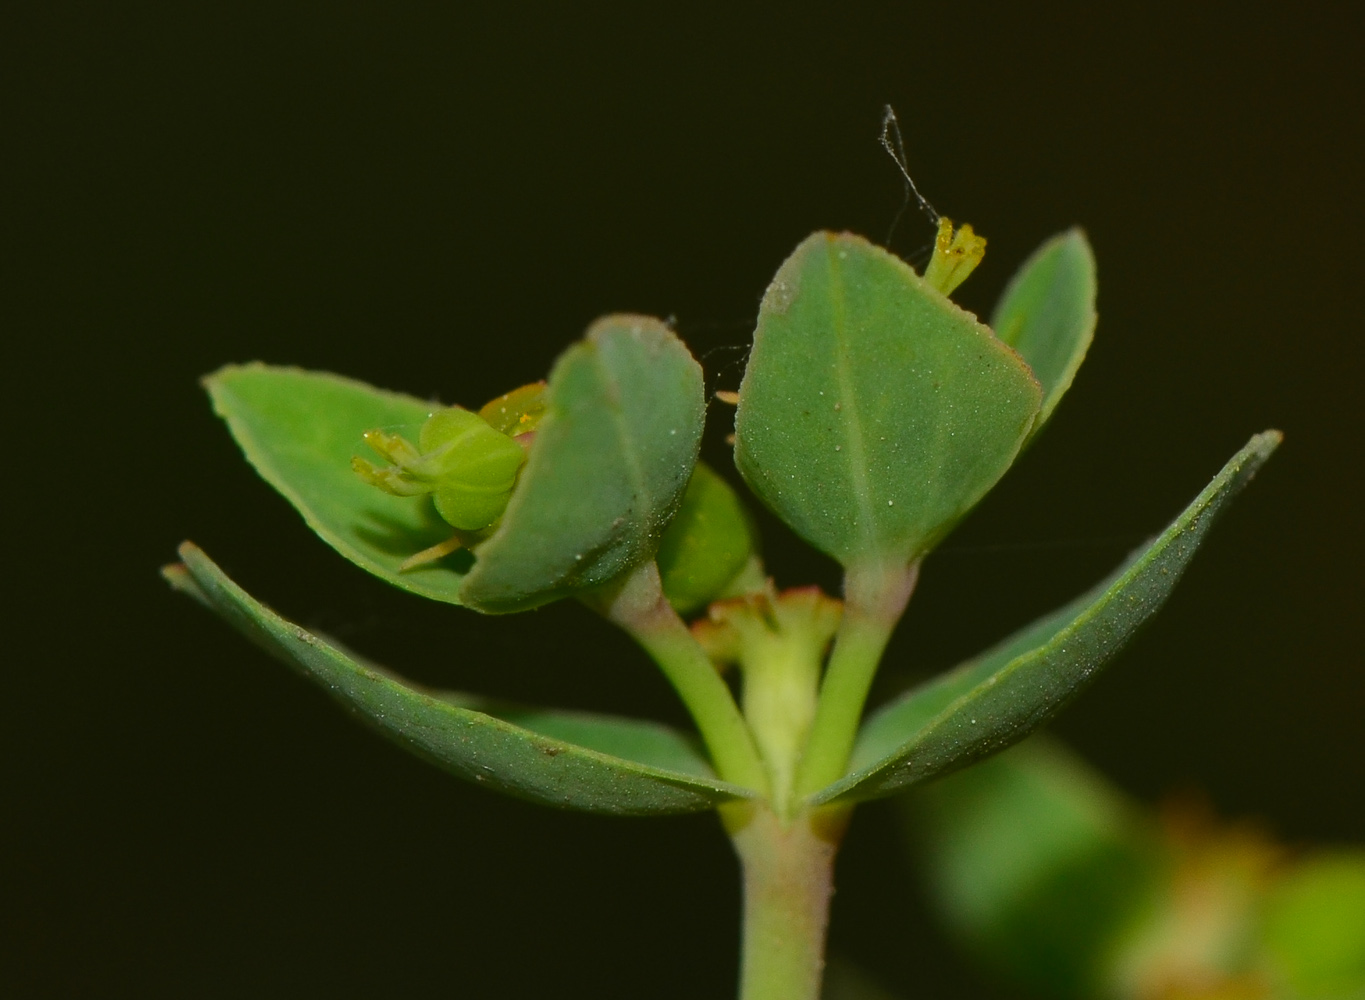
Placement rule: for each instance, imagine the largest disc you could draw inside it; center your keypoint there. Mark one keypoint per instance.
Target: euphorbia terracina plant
(873, 414)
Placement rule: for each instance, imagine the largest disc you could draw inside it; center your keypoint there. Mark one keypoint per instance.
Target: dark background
(437, 199)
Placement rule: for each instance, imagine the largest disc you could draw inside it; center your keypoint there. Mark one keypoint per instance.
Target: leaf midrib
(848, 403)
(632, 459)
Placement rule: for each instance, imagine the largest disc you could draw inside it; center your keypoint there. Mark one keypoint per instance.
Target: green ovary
(467, 467)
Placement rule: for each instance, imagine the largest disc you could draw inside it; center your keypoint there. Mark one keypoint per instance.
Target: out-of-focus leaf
(1315, 926)
(874, 412)
(1037, 865)
(987, 704)
(569, 760)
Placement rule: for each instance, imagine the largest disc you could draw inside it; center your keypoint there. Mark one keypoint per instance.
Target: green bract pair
(873, 414)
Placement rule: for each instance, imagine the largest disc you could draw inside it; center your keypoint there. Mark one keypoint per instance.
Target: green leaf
(989, 703)
(707, 545)
(888, 729)
(612, 458)
(1047, 313)
(874, 412)
(300, 430)
(636, 741)
(570, 760)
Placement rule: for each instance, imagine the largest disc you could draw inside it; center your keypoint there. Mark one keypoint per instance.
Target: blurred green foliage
(1065, 887)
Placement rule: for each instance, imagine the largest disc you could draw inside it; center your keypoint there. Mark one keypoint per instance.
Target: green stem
(788, 881)
(638, 605)
(875, 597)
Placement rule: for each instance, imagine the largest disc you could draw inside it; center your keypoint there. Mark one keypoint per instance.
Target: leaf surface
(300, 429)
(566, 759)
(611, 461)
(1047, 313)
(989, 703)
(706, 546)
(874, 413)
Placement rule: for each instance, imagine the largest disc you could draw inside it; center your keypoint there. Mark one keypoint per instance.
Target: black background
(437, 199)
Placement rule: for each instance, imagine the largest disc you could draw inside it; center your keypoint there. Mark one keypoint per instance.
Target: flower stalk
(638, 605)
(875, 596)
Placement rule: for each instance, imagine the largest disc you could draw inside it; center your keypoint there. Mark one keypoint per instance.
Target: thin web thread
(714, 374)
(894, 145)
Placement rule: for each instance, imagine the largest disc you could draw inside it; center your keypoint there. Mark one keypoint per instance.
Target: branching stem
(639, 607)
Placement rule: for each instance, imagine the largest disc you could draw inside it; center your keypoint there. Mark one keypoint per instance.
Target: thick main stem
(788, 882)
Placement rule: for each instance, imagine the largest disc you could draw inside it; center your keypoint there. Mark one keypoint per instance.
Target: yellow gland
(956, 255)
(517, 412)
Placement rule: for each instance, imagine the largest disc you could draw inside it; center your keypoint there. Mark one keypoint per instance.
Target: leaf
(612, 458)
(570, 760)
(886, 731)
(707, 545)
(300, 429)
(874, 412)
(989, 703)
(607, 472)
(634, 740)
(1047, 313)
